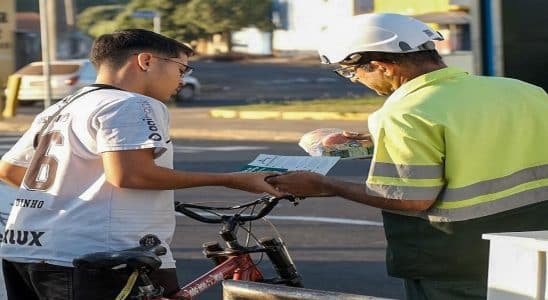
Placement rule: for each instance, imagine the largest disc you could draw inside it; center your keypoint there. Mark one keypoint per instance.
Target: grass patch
(348, 105)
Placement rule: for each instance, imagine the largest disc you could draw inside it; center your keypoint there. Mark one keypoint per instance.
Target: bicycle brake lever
(294, 199)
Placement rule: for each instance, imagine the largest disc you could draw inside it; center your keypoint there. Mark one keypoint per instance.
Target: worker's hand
(357, 135)
(301, 184)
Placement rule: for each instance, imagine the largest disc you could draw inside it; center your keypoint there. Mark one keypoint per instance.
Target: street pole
(45, 51)
(51, 9)
(156, 21)
(150, 14)
(69, 13)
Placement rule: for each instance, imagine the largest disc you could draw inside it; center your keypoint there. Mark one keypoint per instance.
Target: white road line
(326, 220)
(296, 80)
(194, 149)
(318, 220)
(12, 139)
(176, 149)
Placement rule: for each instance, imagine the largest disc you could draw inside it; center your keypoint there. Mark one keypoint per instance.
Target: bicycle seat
(135, 258)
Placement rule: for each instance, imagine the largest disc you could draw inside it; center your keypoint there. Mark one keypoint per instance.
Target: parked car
(189, 91)
(67, 76)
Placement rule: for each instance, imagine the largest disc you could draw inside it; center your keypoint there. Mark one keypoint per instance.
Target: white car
(67, 76)
(189, 91)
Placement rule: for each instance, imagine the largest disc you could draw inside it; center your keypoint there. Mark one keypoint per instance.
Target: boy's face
(166, 74)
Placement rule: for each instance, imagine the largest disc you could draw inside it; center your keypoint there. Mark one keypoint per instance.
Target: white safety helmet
(391, 33)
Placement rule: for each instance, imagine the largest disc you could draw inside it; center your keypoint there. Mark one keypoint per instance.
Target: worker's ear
(388, 69)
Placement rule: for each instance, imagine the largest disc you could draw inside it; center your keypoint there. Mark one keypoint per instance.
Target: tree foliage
(80, 5)
(97, 20)
(181, 19)
(217, 16)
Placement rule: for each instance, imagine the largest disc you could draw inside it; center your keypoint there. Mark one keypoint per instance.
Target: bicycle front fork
(283, 264)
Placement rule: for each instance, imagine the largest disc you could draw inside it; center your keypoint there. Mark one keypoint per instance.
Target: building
(7, 39)
(299, 24)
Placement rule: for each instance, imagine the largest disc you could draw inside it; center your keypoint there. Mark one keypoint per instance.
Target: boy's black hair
(115, 48)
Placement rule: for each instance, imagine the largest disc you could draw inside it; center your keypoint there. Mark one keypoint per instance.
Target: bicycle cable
(256, 241)
(249, 227)
(273, 227)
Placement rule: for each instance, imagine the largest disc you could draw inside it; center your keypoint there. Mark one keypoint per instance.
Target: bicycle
(234, 262)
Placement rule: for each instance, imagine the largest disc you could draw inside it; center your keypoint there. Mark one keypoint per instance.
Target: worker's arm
(307, 184)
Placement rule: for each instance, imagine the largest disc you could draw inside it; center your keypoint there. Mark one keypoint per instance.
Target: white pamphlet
(280, 163)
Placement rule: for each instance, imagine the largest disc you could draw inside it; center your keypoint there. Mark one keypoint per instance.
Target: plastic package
(332, 142)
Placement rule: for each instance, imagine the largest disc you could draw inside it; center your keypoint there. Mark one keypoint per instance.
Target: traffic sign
(144, 14)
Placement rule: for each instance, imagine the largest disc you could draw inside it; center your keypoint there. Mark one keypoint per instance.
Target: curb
(287, 115)
(204, 134)
(236, 135)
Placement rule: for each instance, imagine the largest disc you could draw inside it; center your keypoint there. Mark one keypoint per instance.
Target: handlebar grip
(283, 264)
(189, 213)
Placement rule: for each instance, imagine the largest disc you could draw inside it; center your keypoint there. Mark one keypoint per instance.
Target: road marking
(316, 219)
(326, 220)
(9, 138)
(297, 80)
(194, 149)
(176, 149)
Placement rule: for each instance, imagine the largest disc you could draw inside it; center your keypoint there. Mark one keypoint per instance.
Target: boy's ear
(143, 61)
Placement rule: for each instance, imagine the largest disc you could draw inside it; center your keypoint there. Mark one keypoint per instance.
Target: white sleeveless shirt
(65, 207)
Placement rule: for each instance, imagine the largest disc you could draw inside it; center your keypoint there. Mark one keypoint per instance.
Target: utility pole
(69, 13)
(150, 14)
(51, 9)
(44, 32)
(156, 22)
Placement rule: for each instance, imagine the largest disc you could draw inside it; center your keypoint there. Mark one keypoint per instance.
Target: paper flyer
(280, 163)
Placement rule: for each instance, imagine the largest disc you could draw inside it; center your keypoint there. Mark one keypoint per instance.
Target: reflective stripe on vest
(493, 186)
(407, 171)
(525, 187)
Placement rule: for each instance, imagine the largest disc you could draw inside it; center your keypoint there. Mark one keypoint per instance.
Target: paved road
(337, 245)
(235, 82)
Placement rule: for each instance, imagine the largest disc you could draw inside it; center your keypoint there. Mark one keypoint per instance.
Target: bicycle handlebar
(268, 201)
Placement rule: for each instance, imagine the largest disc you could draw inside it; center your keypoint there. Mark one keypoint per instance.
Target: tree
(184, 20)
(97, 20)
(225, 16)
(32, 5)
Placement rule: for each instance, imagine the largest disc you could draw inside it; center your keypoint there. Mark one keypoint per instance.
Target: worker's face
(373, 76)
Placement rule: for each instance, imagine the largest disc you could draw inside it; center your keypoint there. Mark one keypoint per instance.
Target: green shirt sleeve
(409, 158)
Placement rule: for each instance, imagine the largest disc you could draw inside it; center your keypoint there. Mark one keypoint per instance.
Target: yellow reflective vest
(479, 145)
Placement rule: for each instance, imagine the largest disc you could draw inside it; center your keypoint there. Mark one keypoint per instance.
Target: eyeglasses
(185, 70)
(348, 72)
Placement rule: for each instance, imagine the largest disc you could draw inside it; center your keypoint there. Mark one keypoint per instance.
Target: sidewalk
(196, 123)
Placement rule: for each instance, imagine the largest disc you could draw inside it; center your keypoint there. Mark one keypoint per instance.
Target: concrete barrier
(246, 290)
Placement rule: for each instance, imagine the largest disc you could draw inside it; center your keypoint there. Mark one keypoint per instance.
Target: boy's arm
(11, 174)
(136, 169)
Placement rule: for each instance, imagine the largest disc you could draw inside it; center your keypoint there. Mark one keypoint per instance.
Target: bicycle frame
(234, 262)
(240, 267)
